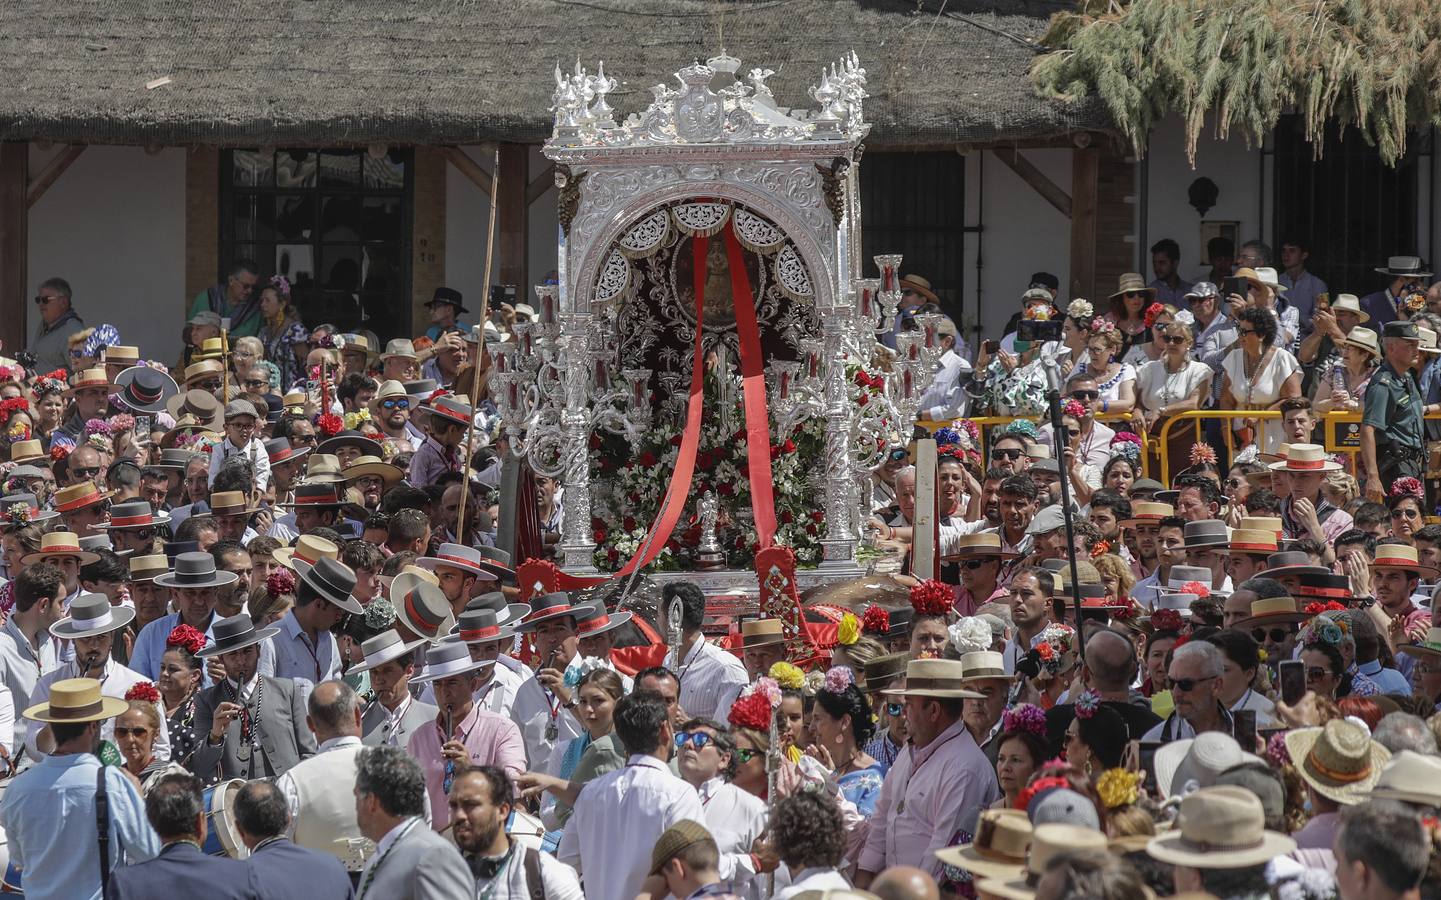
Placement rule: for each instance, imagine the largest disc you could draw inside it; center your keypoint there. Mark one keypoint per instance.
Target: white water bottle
(1338, 378)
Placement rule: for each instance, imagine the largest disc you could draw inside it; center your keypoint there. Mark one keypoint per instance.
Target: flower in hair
(1316, 608)
(1080, 309)
(1102, 547)
(1166, 620)
(788, 676)
(1102, 326)
(1152, 311)
(581, 668)
(1276, 750)
(1040, 786)
(281, 285)
(18, 514)
(144, 691)
(1087, 704)
(1025, 717)
(945, 436)
(932, 598)
(970, 634)
(1023, 428)
(968, 429)
(1202, 453)
(838, 678)
(10, 407)
(353, 419)
(96, 426)
(1197, 588)
(1402, 487)
(191, 640)
(751, 710)
(329, 424)
(1074, 409)
(1184, 317)
(120, 423)
(876, 620)
(1119, 787)
(379, 615)
(281, 581)
(770, 689)
(849, 631)
(59, 451)
(1126, 438)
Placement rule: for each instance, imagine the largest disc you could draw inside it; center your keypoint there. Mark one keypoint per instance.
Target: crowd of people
(258, 639)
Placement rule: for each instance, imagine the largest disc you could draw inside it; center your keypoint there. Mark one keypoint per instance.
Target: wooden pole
(14, 243)
(479, 354)
(923, 532)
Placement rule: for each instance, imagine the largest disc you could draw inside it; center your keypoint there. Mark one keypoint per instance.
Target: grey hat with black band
(235, 633)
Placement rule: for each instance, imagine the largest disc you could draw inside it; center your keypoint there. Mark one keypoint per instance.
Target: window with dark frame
(335, 222)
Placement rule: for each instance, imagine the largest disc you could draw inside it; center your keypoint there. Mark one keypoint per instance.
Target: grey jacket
(421, 865)
(284, 738)
(51, 346)
(372, 723)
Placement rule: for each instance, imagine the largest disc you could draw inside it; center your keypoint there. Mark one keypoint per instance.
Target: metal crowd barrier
(987, 422)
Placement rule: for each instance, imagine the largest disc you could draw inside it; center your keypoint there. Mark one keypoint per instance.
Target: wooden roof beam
(469, 168)
(1037, 179)
(51, 173)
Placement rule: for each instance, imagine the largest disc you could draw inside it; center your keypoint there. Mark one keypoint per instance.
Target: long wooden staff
(479, 351)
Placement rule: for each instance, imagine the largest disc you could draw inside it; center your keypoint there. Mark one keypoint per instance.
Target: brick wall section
(202, 222)
(1115, 183)
(427, 245)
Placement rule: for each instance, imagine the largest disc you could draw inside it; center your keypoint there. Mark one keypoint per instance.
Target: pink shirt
(491, 739)
(929, 794)
(966, 605)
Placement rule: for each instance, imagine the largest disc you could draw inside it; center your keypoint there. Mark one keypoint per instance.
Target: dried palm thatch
(1374, 64)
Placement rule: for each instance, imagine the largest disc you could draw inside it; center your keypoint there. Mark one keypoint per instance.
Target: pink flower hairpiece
(770, 689)
(1407, 486)
(1202, 453)
(1087, 704)
(1074, 409)
(1102, 326)
(1125, 437)
(281, 285)
(838, 678)
(1025, 717)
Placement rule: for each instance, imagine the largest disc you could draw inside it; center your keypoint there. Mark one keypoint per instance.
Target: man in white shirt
(540, 702)
(710, 678)
(620, 815)
(480, 803)
(734, 817)
(395, 714)
(946, 398)
(318, 790)
(483, 637)
(26, 649)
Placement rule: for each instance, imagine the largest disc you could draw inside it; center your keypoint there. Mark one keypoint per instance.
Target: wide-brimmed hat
(934, 678)
(92, 614)
(195, 570)
(1191, 763)
(1352, 304)
(1339, 760)
(1267, 276)
(479, 626)
(506, 613)
(1410, 777)
(1292, 562)
(78, 496)
(176, 458)
(1253, 277)
(235, 633)
(1148, 512)
(201, 406)
(388, 390)
(761, 633)
(598, 621)
(134, 514)
(1428, 646)
(1256, 542)
(76, 700)
(449, 296)
(983, 665)
(1399, 266)
(231, 503)
(1207, 534)
(56, 544)
(420, 390)
(280, 451)
(144, 389)
(1271, 524)
(323, 468)
(450, 409)
(899, 622)
(981, 544)
(148, 567)
(335, 581)
(1003, 839)
(1304, 459)
(554, 605)
(1047, 842)
(921, 285)
(420, 605)
(883, 671)
(1272, 611)
(120, 354)
(204, 368)
(316, 496)
(27, 452)
(94, 542)
(497, 562)
(444, 660)
(308, 550)
(399, 348)
(1401, 558)
(381, 649)
(373, 465)
(457, 556)
(1221, 827)
(89, 378)
(1129, 282)
(365, 445)
(23, 508)
(1321, 586)
(1365, 339)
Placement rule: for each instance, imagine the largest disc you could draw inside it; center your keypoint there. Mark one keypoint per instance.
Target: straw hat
(1339, 760)
(1148, 512)
(205, 368)
(79, 496)
(1132, 281)
(1003, 837)
(230, 503)
(761, 633)
(1398, 266)
(1271, 611)
(1364, 338)
(1244, 540)
(450, 409)
(1272, 524)
(1431, 646)
(1195, 762)
(1306, 458)
(76, 700)
(399, 348)
(920, 285)
(146, 568)
(945, 678)
(1047, 842)
(89, 378)
(307, 551)
(1410, 777)
(57, 544)
(1352, 304)
(1220, 828)
(373, 465)
(323, 468)
(982, 544)
(198, 405)
(1267, 276)
(1402, 558)
(22, 452)
(983, 665)
(120, 354)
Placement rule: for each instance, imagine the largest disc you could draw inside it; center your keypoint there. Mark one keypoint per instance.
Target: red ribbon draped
(753, 380)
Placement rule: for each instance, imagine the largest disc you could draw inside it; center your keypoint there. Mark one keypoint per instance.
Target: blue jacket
(183, 871)
(283, 871)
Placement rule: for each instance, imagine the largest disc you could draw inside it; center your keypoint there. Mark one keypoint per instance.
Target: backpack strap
(533, 881)
(102, 827)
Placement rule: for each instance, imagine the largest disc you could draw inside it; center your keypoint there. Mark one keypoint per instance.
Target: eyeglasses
(208, 385)
(1173, 339)
(1405, 514)
(1006, 454)
(138, 731)
(396, 403)
(974, 564)
(1086, 395)
(256, 382)
(1315, 673)
(700, 739)
(41, 301)
(1277, 635)
(143, 534)
(1246, 331)
(87, 472)
(744, 755)
(1189, 684)
(1235, 482)
(895, 709)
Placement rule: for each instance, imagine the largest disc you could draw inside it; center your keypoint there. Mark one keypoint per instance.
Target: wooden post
(514, 224)
(924, 554)
(14, 244)
(1085, 165)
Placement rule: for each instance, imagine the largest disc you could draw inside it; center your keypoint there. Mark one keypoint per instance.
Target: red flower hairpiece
(1074, 409)
(143, 691)
(932, 598)
(1315, 609)
(751, 711)
(190, 639)
(876, 620)
(1040, 786)
(1202, 453)
(281, 581)
(1101, 549)
(59, 452)
(1405, 486)
(329, 424)
(1166, 620)
(1152, 311)
(1197, 588)
(9, 407)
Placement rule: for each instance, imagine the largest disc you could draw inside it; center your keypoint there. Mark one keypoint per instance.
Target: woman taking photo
(842, 725)
(282, 333)
(1342, 385)
(1174, 383)
(180, 672)
(1257, 374)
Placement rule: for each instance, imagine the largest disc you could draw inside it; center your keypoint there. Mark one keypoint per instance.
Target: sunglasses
(1086, 395)
(208, 385)
(1315, 673)
(139, 731)
(87, 471)
(895, 709)
(1277, 635)
(744, 755)
(700, 739)
(403, 403)
(1246, 331)
(1006, 454)
(898, 454)
(1173, 339)
(974, 564)
(41, 301)
(1405, 514)
(1189, 684)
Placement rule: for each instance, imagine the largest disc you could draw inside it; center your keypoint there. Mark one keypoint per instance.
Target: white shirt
(117, 681)
(559, 881)
(710, 680)
(531, 712)
(253, 451)
(944, 399)
(735, 819)
(497, 695)
(813, 879)
(286, 784)
(617, 820)
(20, 669)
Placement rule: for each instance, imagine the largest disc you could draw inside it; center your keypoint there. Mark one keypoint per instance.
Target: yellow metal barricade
(987, 422)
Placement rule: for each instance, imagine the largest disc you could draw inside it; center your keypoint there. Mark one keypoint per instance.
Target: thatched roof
(308, 72)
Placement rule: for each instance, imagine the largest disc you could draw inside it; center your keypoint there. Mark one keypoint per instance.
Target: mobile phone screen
(1292, 674)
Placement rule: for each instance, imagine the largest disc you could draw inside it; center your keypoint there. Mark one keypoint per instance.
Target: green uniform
(1393, 407)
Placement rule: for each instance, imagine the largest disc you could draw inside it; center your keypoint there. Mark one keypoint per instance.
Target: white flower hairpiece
(970, 634)
(1184, 317)
(1080, 309)
(581, 668)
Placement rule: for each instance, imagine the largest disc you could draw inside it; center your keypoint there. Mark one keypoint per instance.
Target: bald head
(1110, 658)
(334, 711)
(905, 883)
